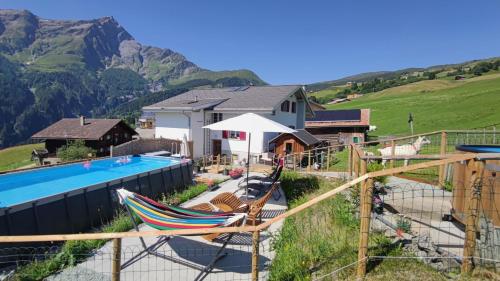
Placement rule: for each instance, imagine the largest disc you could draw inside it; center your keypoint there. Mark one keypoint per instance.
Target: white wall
(171, 125)
(197, 122)
(174, 125)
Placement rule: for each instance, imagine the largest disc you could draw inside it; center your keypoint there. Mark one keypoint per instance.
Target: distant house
(183, 116)
(353, 96)
(293, 143)
(340, 126)
(459, 77)
(146, 121)
(98, 134)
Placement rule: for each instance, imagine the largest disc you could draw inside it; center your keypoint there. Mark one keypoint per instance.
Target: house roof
(339, 118)
(303, 136)
(70, 128)
(254, 98)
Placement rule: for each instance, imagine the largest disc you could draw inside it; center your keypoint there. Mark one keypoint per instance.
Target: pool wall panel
(82, 209)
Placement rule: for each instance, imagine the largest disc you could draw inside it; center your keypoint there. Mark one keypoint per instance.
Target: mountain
(50, 69)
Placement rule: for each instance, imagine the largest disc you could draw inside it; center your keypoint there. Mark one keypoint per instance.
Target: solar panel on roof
(337, 115)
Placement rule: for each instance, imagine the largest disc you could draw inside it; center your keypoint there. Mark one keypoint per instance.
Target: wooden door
(216, 147)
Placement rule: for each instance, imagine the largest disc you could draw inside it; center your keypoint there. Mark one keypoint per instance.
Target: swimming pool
(74, 197)
(479, 148)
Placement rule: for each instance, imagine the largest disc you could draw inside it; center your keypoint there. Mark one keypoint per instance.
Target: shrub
(373, 167)
(75, 150)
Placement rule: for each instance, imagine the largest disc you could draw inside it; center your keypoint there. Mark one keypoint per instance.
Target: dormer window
(285, 106)
(216, 117)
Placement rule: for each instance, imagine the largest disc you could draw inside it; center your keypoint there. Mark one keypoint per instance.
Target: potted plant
(212, 185)
(236, 173)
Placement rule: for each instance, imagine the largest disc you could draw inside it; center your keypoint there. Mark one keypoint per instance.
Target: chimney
(82, 120)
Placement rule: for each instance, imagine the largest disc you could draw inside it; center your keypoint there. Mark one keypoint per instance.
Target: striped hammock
(166, 217)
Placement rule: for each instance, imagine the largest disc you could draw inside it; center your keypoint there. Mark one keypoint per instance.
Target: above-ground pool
(74, 197)
(479, 148)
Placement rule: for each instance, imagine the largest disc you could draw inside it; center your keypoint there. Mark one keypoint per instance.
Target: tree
(432, 75)
(75, 150)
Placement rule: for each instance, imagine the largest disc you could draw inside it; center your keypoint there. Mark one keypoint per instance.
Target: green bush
(75, 150)
(373, 167)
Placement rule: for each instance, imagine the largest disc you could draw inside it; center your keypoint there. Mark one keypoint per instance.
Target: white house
(183, 116)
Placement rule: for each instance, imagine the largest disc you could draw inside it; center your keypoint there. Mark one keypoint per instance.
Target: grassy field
(329, 93)
(435, 105)
(17, 156)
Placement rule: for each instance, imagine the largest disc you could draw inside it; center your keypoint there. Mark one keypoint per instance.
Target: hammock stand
(152, 249)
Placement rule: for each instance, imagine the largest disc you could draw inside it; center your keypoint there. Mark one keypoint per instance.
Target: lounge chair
(166, 217)
(262, 186)
(228, 202)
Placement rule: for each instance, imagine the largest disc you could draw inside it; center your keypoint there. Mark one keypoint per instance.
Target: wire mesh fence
(380, 223)
(178, 258)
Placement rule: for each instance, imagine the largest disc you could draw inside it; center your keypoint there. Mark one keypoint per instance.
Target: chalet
(353, 96)
(340, 126)
(299, 141)
(98, 134)
(183, 116)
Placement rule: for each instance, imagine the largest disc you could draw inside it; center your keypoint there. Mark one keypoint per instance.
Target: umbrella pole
(248, 162)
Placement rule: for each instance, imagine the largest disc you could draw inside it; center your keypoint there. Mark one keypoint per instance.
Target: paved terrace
(191, 252)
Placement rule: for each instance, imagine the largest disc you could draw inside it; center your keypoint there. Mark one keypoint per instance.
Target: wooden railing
(362, 177)
(442, 143)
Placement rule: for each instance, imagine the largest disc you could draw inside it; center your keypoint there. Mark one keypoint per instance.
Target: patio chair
(228, 202)
(167, 217)
(261, 185)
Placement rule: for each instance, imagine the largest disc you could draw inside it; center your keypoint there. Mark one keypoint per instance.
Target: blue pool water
(479, 148)
(20, 187)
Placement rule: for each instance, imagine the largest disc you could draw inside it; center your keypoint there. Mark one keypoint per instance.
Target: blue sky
(288, 42)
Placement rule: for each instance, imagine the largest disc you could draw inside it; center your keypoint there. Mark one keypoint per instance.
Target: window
(285, 106)
(216, 117)
(125, 135)
(291, 127)
(294, 107)
(108, 137)
(355, 140)
(235, 135)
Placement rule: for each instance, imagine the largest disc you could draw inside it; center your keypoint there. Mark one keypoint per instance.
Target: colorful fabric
(159, 217)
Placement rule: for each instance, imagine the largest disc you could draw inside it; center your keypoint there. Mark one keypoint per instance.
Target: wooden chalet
(340, 126)
(98, 134)
(293, 143)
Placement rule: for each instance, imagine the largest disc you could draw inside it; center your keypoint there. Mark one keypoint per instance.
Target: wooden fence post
(393, 152)
(365, 215)
(349, 161)
(294, 161)
(309, 161)
(116, 259)
(328, 159)
(255, 255)
(472, 198)
(442, 168)
(218, 164)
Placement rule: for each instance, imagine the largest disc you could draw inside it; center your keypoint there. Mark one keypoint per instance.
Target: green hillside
(17, 156)
(435, 105)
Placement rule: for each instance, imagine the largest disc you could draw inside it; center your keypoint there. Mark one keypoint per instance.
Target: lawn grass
(73, 252)
(329, 93)
(324, 238)
(435, 105)
(17, 156)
